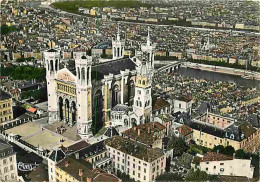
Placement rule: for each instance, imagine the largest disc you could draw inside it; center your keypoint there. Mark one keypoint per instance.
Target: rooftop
(145, 133)
(135, 149)
(4, 95)
(213, 156)
(160, 103)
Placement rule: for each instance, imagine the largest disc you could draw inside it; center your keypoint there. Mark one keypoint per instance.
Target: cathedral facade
(89, 95)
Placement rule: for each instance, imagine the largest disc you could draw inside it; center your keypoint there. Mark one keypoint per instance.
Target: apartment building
(6, 111)
(240, 135)
(140, 162)
(8, 164)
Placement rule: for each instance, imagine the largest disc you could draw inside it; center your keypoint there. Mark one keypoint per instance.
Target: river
(218, 77)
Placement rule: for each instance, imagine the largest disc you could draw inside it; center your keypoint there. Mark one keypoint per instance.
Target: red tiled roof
(145, 131)
(185, 130)
(31, 109)
(213, 156)
(160, 103)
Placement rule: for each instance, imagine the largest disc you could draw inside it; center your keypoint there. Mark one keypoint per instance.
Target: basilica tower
(52, 62)
(118, 46)
(143, 100)
(84, 88)
(149, 49)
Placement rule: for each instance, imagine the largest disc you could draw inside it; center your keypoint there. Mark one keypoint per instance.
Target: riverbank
(224, 70)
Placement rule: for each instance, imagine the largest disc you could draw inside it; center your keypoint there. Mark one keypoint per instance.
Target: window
(133, 165)
(144, 170)
(11, 167)
(122, 167)
(179, 105)
(123, 160)
(221, 169)
(144, 177)
(139, 168)
(207, 169)
(133, 172)
(221, 163)
(138, 175)
(214, 167)
(207, 162)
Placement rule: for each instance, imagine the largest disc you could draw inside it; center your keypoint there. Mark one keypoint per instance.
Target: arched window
(88, 81)
(83, 73)
(140, 104)
(143, 82)
(51, 62)
(118, 52)
(56, 65)
(136, 103)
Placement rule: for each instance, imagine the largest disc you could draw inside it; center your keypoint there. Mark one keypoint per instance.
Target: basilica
(114, 93)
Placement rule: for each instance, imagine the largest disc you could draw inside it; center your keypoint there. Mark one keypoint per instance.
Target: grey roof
(4, 95)
(4, 145)
(120, 107)
(113, 67)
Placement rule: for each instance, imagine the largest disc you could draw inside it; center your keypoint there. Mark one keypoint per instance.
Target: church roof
(120, 107)
(113, 67)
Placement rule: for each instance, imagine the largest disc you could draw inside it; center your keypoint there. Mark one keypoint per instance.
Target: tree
(169, 177)
(197, 175)
(228, 150)
(178, 145)
(168, 164)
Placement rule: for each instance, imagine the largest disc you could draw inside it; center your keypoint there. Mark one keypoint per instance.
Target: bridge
(169, 66)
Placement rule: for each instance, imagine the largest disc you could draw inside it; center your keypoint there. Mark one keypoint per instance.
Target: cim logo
(26, 167)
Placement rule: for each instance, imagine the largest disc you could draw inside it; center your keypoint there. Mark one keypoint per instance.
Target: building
(149, 134)
(219, 164)
(95, 154)
(75, 94)
(6, 110)
(215, 119)
(140, 162)
(238, 135)
(161, 106)
(182, 104)
(71, 169)
(8, 164)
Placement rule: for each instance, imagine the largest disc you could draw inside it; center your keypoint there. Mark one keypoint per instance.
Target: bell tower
(143, 100)
(84, 89)
(118, 46)
(52, 62)
(149, 49)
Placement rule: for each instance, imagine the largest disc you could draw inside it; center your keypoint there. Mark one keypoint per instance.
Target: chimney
(139, 131)
(149, 129)
(66, 163)
(80, 172)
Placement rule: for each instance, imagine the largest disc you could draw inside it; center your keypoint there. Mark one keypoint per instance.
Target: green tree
(169, 177)
(197, 175)
(178, 145)
(228, 150)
